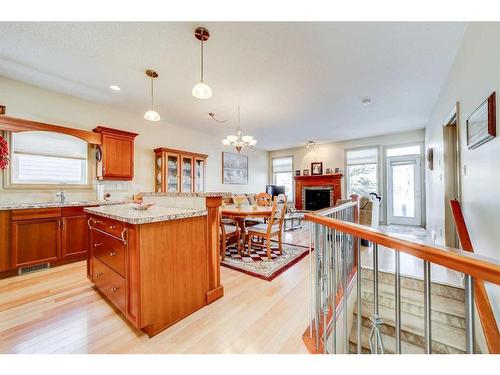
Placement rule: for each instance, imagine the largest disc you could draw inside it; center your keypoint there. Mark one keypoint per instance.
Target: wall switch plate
(465, 170)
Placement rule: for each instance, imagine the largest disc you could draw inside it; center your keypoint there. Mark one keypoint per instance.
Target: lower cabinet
(48, 235)
(36, 241)
(75, 237)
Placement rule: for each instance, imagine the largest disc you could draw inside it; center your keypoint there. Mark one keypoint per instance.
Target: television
(275, 190)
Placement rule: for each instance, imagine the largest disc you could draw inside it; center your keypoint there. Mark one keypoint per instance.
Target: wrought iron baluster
(397, 294)
(358, 294)
(469, 313)
(334, 296)
(311, 299)
(427, 308)
(375, 336)
(344, 286)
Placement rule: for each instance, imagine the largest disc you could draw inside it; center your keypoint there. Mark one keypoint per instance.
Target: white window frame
(273, 175)
(7, 174)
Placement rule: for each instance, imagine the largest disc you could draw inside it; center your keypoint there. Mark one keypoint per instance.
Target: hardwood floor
(59, 311)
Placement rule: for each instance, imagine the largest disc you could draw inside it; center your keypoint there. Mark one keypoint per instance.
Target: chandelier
(239, 140)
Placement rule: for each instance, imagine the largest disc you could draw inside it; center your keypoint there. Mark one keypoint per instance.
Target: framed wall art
(481, 124)
(234, 169)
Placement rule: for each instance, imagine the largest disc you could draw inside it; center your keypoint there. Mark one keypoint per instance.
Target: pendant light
(201, 90)
(152, 115)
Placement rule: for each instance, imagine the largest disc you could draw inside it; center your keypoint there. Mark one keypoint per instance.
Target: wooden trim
(215, 288)
(319, 177)
(159, 150)
(13, 124)
(463, 261)
(483, 305)
(103, 129)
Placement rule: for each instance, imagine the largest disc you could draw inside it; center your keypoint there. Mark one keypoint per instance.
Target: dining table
(241, 213)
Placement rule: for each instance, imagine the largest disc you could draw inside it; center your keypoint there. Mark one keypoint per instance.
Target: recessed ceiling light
(366, 101)
(115, 88)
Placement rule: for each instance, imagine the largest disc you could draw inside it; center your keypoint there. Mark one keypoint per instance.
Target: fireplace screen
(317, 199)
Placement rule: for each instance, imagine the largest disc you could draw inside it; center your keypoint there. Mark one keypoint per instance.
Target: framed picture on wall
(481, 124)
(316, 168)
(234, 169)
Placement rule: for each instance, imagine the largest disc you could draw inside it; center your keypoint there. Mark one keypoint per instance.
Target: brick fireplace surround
(326, 181)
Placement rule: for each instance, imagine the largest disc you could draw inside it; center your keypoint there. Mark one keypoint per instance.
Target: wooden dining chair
(229, 230)
(273, 228)
(263, 199)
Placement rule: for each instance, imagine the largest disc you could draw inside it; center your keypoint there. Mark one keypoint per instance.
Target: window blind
(48, 158)
(365, 156)
(282, 164)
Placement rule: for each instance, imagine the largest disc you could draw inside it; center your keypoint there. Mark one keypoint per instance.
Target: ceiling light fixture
(239, 140)
(152, 115)
(366, 101)
(115, 88)
(201, 90)
(311, 144)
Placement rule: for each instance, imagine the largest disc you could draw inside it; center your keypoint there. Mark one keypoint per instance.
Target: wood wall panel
(5, 242)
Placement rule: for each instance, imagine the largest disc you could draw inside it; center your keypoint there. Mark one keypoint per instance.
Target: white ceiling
(294, 81)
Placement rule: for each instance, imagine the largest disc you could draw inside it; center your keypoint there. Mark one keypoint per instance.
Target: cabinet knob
(114, 289)
(98, 274)
(97, 244)
(112, 254)
(112, 227)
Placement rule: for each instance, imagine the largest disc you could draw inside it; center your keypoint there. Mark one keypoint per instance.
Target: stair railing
(332, 268)
(336, 267)
(483, 305)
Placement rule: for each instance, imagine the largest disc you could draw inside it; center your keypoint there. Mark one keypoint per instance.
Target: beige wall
(475, 74)
(34, 103)
(333, 154)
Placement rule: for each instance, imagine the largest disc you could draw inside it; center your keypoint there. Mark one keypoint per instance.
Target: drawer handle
(98, 274)
(97, 244)
(112, 254)
(114, 289)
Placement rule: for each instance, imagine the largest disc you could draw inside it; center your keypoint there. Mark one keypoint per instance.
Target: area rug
(258, 265)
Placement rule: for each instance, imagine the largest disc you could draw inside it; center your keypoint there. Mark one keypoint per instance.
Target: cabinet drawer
(109, 250)
(110, 283)
(110, 226)
(35, 213)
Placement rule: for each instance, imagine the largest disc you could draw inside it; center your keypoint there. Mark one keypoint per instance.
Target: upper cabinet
(179, 171)
(115, 156)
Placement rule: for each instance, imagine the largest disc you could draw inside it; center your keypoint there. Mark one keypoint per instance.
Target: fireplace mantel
(327, 180)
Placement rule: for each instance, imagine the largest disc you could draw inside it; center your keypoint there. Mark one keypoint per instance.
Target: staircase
(448, 315)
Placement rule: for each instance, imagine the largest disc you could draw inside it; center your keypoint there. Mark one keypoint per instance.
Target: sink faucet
(62, 196)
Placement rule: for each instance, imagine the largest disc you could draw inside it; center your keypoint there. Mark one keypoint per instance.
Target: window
(403, 150)
(39, 157)
(361, 168)
(283, 174)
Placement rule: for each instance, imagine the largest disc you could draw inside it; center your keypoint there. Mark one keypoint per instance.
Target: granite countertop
(126, 214)
(22, 206)
(177, 194)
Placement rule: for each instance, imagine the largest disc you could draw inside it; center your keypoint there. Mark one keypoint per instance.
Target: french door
(404, 196)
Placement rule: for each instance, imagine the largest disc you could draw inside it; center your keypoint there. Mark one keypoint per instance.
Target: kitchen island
(159, 265)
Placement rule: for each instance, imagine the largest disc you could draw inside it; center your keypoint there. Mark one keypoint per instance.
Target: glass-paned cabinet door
(199, 175)
(187, 174)
(172, 172)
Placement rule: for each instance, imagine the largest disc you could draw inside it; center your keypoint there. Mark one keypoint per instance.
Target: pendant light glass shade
(152, 116)
(202, 91)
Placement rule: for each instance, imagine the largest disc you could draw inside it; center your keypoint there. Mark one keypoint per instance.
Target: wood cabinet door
(117, 157)
(75, 237)
(36, 241)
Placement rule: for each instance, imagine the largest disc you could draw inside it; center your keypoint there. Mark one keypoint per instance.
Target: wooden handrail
(463, 261)
(484, 310)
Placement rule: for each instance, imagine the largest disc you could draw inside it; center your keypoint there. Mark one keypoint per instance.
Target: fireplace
(329, 182)
(316, 198)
